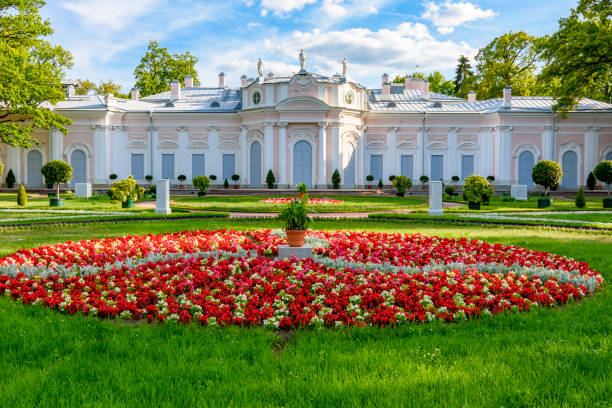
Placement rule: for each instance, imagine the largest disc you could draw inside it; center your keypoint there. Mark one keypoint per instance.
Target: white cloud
(113, 14)
(343, 9)
(333, 8)
(283, 7)
(448, 15)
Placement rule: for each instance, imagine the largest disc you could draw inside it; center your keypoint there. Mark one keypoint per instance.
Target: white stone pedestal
(286, 251)
(162, 197)
(435, 198)
(82, 190)
(519, 192)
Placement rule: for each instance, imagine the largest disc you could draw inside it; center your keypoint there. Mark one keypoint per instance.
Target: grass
(95, 203)
(548, 357)
(253, 204)
(558, 204)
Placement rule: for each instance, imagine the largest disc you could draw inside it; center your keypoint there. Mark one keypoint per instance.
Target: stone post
(162, 200)
(435, 198)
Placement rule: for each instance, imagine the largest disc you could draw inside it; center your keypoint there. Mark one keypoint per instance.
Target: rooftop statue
(302, 60)
(260, 67)
(344, 68)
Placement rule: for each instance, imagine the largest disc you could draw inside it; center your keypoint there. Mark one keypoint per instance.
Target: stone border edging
(193, 217)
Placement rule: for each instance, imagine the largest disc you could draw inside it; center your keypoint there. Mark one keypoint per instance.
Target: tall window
(138, 166)
(376, 166)
(168, 166)
(197, 165)
(407, 165)
(437, 167)
(467, 166)
(229, 166)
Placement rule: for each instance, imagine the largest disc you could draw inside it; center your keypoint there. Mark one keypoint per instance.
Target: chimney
(221, 80)
(270, 75)
(386, 91)
(188, 81)
(472, 96)
(507, 97)
(425, 90)
(244, 80)
(70, 91)
(134, 94)
(175, 90)
(109, 101)
(385, 79)
(408, 84)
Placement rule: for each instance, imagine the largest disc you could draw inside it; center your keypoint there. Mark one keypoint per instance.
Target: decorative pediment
(376, 145)
(407, 146)
(468, 146)
(302, 103)
(437, 146)
(529, 148)
(137, 144)
(229, 145)
(302, 134)
(168, 144)
(197, 144)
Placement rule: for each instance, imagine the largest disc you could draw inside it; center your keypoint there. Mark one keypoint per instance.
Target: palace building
(303, 126)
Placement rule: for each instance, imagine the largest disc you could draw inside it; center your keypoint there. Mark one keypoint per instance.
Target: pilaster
(244, 170)
(268, 146)
(282, 154)
(335, 146)
(322, 156)
(591, 143)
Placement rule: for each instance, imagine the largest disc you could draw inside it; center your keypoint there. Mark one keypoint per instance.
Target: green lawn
(559, 204)
(253, 204)
(548, 357)
(95, 203)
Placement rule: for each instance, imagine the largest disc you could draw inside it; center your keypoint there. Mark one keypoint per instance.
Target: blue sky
(108, 37)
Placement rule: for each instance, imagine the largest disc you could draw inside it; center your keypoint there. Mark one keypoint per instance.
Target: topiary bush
(380, 184)
(591, 181)
(226, 183)
(270, 179)
(449, 190)
(402, 183)
(112, 176)
(580, 198)
(10, 179)
(603, 172)
(475, 188)
(336, 179)
(547, 173)
(57, 172)
(424, 179)
(455, 178)
(201, 183)
(127, 189)
(22, 197)
(235, 178)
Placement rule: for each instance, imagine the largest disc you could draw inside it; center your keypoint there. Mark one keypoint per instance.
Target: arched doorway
(255, 165)
(302, 163)
(348, 156)
(609, 156)
(570, 170)
(525, 167)
(78, 161)
(35, 179)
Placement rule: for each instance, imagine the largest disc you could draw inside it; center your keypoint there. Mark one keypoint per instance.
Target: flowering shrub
(228, 277)
(286, 200)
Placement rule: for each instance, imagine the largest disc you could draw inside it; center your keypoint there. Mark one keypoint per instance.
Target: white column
(183, 159)
(361, 156)
(453, 159)
(244, 170)
(162, 197)
(389, 160)
(100, 155)
(322, 156)
(335, 146)
(435, 198)
(214, 157)
(268, 147)
(420, 160)
(56, 145)
(504, 148)
(547, 143)
(13, 162)
(282, 154)
(591, 143)
(486, 142)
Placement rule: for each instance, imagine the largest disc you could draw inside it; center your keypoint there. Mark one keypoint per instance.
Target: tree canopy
(437, 82)
(109, 87)
(31, 72)
(464, 77)
(158, 68)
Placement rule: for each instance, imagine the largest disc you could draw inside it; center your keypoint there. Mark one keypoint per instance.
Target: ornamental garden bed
(227, 277)
(311, 200)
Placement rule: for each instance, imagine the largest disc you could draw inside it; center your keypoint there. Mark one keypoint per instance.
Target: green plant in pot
(603, 172)
(235, 178)
(212, 178)
(380, 184)
(270, 179)
(455, 179)
(181, 178)
(424, 179)
(56, 172)
(149, 178)
(112, 177)
(10, 179)
(226, 184)
(402, 184)
(302, 189)
(475, 188)
(201, 183)
(295, 217)
(546, 173)
(370, 179)
(126, 191)
(336, 179)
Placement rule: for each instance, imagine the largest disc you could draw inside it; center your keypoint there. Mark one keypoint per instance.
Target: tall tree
(86, 86)
(464, 77)
(158, 68)
(108, 88)
(578, 60)
(508, 60)
(31, 71)
(437, 82)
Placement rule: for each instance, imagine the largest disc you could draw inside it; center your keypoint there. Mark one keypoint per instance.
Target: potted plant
(235, 178)
(380, 184)
(455, 179)
(603, 172)
(296, 220)
(424, 179)
(391, 178)
(56, 172)
(112, 177)
(401, 183)
(336, 179)
(181, 178)
(591, 181)
(301, 190)
(546, 173)
(10, 179)
(201, 183)
(370, 179)
(475, 188)
(212, 178)
(126, 191)
(270, 179)
(149, 178)
(225, 184)
(491, 178)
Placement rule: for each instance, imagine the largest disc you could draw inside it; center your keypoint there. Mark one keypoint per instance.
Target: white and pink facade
(304, 126)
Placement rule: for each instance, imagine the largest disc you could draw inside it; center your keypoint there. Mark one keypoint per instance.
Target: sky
(107, 38)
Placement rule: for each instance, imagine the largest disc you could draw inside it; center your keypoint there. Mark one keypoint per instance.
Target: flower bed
(228, 277)
(311, 200)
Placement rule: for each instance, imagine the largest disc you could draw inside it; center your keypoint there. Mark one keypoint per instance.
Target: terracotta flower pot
(369, 187)
(235, 186)
(295, 238)
(300, 195)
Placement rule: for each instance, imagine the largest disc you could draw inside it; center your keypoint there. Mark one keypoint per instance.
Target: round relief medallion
(256, 98)
(348, 97)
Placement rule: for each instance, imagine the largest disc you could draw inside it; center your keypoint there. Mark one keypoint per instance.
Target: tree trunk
(57, 195)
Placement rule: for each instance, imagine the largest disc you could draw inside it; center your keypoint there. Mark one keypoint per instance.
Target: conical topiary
(580, 198)
(591, 181)
(22, 197)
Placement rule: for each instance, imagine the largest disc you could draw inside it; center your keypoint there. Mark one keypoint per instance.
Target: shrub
(56, 172)
(301, 188)
(270, 179)
(201, 183)
(235, 178)
(380, 184)
(507, 198)
(491, 178)
(475, 188)
(449, 190)
(455, 178)
(391, 178)
(10, 179)
(127, 189)
(149, 178)
(336, 178)
(424, 179)
(22, 197)
(402, 183)
(212, 177)
(603, 172)
(225, 184)
(591, 181)
(113, 176)
(153, 189)
(580, 198)
(294, 214)
(182, 178)
(370, 178)
(547, 173)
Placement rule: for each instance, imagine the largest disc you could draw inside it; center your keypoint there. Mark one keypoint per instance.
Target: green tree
(108, 88)
(31, 70)
(577, 58)
(22, 197)
(508, 60)
(464, 77)
(86, 86)
(158, 68)
(437, 82)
